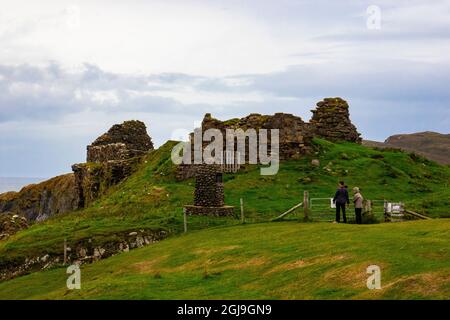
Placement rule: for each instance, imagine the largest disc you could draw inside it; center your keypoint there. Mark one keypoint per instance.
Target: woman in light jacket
(358, 201)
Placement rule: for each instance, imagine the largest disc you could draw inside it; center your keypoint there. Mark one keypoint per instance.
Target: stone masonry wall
(122, 141)
(331, 121)
(111, 158)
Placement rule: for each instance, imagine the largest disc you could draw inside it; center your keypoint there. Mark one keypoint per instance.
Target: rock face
(111, 158)
(38, 202)
(331, 121)
(84, 251)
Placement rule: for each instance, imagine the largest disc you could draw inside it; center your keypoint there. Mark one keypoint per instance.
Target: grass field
(287, 260)
(152, 199)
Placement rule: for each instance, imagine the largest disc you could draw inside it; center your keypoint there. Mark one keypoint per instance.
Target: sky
(69, 70)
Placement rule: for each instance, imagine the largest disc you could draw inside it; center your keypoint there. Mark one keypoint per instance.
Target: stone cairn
(110, 159)
(209, 193)
(331, 121)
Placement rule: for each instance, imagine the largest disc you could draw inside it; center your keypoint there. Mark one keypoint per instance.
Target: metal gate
(323, 209)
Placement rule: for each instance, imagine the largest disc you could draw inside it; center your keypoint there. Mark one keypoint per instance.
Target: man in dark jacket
(341, 199)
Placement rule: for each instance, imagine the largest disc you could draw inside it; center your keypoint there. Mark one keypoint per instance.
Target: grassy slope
(286, 260)
(152, 199)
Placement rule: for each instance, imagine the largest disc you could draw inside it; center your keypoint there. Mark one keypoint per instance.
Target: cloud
(169, 63)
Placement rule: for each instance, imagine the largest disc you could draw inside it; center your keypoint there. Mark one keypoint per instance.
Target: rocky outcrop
(111, 158)
(38, 202)
(331, 121)
(93, 179)
(81, 252)
(10, 224)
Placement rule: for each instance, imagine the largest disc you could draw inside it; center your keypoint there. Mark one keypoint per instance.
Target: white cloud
(168, 63)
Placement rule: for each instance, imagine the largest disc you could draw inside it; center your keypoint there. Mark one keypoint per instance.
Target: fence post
(65, 251)
(185, 220)
(368, 207)
(242, 211)
(386, 215)
(306, 205)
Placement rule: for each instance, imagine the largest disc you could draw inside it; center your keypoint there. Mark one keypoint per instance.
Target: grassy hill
(288, 260)
(152, 199)
(432, 145)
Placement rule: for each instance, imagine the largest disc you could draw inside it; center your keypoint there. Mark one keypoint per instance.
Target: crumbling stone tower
(111, 158)
(331, 121)
(121, 142)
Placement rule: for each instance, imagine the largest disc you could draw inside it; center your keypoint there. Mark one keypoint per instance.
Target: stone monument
(209, 192)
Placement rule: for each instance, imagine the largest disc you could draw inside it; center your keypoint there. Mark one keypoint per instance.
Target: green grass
(152, 199)
(287, 260)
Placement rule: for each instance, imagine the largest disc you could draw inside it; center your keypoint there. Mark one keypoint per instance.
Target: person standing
(341, 199)
(358, 201)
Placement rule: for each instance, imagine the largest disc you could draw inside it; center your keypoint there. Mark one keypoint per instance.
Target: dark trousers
(358, 214)
(339, 207)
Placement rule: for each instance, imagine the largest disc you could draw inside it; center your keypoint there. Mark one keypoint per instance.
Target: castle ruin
(330, 121)
(110, 159)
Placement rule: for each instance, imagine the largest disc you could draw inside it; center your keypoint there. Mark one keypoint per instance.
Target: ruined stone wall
(331, 121)
(122, 141)
(113, 151)
(111, 158)
(294, 136)
(93, 179)
(185, 171)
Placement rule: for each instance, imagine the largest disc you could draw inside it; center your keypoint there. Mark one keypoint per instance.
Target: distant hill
(432, 145)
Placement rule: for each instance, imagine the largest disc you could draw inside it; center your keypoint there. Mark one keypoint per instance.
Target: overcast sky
(71, 69)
